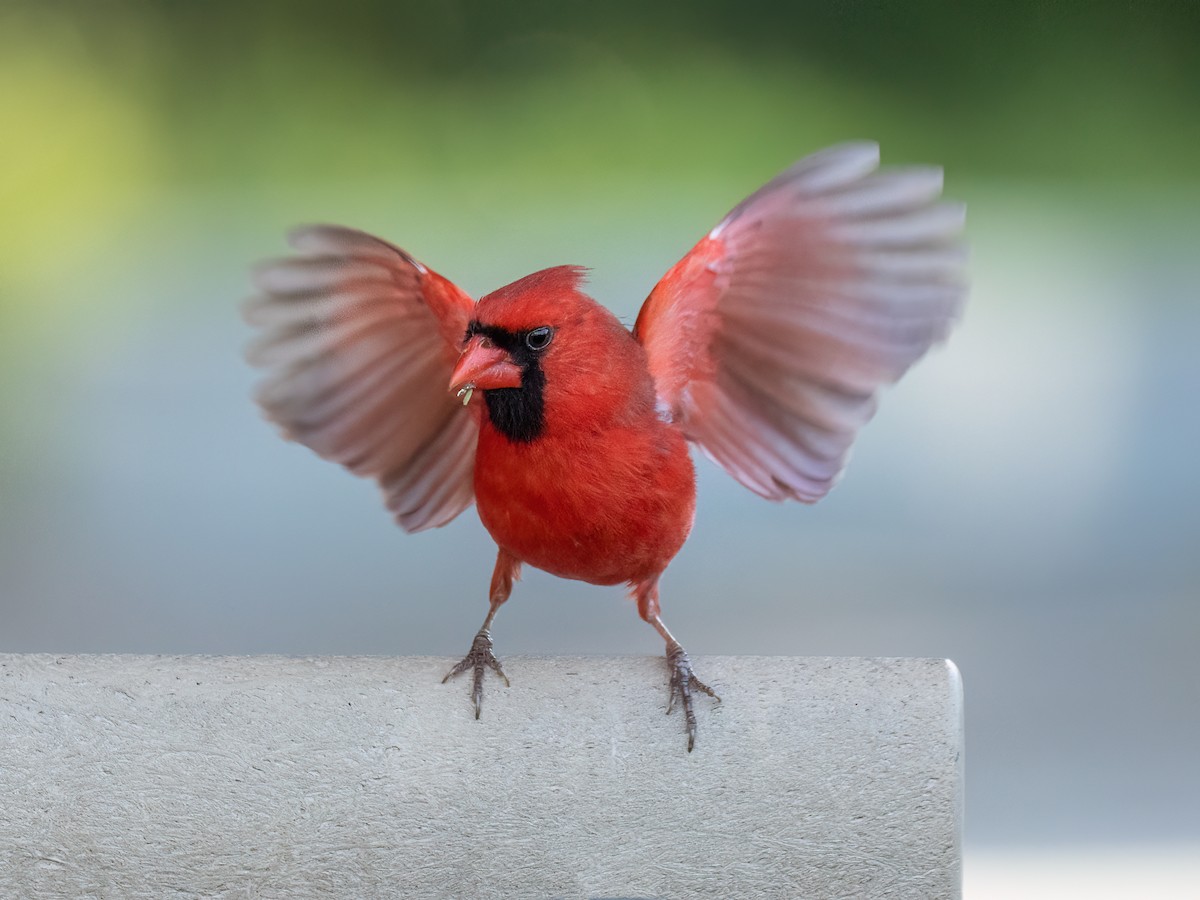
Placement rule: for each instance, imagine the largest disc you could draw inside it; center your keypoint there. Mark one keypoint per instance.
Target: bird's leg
(683, 679)
(508, 570)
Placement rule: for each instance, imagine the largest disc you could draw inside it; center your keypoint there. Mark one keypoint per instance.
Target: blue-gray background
(1025, 503)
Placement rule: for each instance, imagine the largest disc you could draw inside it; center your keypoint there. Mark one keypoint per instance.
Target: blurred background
(1025, 503)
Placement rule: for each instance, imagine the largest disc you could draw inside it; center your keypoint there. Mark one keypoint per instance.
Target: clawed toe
(683, 681)
(480, 655)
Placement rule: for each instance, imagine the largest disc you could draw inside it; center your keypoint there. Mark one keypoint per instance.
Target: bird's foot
(683, 681)
(477, 657)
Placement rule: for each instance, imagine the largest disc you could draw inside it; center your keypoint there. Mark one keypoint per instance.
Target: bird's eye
(539, 338)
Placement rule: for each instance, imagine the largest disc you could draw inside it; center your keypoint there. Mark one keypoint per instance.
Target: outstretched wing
(359, 341)
(770, 339)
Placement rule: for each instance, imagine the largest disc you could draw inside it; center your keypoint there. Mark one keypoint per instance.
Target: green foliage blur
(114, 109)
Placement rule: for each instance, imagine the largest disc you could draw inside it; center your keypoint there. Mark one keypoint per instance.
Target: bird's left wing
(359, 341)
(769, 340)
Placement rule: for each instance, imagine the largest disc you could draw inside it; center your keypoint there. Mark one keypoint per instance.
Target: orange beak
(484, 366)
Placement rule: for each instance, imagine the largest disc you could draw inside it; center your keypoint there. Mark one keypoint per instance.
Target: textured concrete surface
(353, 777)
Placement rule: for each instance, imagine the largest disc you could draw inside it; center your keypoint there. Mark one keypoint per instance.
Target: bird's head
(541, 344)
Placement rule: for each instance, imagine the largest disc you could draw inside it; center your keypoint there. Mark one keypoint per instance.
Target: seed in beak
(465, 392)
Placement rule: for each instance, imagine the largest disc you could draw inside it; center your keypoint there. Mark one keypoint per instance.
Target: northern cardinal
(765, 346)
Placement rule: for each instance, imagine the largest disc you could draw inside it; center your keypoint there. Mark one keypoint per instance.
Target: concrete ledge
(274, 777)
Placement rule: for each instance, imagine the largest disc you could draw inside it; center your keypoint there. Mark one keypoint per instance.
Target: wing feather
(770, 340)
(359, 340)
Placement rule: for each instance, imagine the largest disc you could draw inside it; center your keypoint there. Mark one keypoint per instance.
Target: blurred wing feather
(770, 339)
(359, 341)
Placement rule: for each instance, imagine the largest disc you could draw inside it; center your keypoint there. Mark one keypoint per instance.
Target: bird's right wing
(359, 341)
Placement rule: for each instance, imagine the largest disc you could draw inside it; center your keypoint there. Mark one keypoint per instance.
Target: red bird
(765, 346)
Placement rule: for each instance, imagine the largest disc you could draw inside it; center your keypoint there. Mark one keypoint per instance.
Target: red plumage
(606, 492)
(765, 346)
